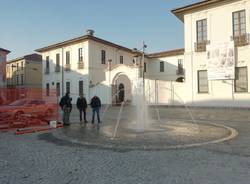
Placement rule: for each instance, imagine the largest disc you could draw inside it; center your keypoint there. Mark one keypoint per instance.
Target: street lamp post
(143, 67)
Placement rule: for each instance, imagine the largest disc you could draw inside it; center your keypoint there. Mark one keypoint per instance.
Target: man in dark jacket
(66, 106)
(81, 105)
(95, 105)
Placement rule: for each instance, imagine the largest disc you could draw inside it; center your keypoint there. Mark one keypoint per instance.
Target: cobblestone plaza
(56, 157)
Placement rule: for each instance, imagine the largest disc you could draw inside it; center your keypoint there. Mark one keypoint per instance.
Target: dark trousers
(84, 114)
(95, 110)
(66, 114)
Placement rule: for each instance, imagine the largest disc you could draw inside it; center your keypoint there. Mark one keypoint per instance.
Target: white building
(214, 22)
(94, 66)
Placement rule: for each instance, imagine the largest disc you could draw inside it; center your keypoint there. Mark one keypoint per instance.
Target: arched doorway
(121, 92)
(121, 89)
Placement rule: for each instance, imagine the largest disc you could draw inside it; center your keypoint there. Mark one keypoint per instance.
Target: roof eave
(80, 39)
(180, 12)
(5, 50)
(61, 44)
(178, 15)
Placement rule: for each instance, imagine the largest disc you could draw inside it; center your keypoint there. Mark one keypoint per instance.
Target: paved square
(31, 159)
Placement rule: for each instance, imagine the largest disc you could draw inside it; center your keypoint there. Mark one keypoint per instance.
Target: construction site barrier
(27, 107)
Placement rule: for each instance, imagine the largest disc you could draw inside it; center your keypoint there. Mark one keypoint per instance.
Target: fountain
(138, 126)
(132, 127)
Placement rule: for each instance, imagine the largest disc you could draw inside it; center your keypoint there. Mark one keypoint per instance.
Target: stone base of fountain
(159, 136)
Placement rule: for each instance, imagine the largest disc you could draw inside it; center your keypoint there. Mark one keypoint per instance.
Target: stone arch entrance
(121, 89)
(121, 93)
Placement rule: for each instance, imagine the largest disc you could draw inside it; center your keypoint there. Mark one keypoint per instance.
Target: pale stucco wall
(220, 29)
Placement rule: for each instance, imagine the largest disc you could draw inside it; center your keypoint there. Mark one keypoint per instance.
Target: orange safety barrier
(27, 107)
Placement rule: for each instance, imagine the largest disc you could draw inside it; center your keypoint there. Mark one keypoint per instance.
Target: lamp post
(142, 64)
(143, 67)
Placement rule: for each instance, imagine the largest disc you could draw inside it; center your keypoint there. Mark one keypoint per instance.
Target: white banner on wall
(221, 61)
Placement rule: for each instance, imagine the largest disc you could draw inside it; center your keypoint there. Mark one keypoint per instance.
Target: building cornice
(33, 57)
(180, 12)
(82, 39)
(169, 53)
(5, 50)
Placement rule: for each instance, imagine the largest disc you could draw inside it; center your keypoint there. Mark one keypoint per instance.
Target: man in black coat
(95, 105)
(66, 107)
(81, 105)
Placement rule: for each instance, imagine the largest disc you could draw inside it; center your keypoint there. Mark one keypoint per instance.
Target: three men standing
(81, 105)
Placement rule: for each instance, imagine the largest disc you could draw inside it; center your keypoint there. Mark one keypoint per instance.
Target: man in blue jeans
(95, 105)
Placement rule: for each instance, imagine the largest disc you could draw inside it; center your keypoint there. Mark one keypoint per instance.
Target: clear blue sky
(30, 24)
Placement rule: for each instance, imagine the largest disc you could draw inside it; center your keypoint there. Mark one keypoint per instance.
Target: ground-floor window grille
(22, 79)
(202, 81)
(80, 87)
(240, 83)
(68, 87)
(47, 89)
(58, 88)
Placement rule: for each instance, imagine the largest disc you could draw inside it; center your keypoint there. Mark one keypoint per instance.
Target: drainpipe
(192, 59)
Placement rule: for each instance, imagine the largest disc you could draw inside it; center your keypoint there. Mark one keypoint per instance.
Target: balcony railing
(80, 65)
(180, 71)
(201, 46)
(67, 67)
(57, 68)
(241, 40)
(47, 71)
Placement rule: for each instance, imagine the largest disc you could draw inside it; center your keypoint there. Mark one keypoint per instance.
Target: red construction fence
(27, 107)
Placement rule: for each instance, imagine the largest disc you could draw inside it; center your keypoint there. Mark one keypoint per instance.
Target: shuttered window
(80, 87)
(67, 57)
(103, 56)
(68, 87)
(161, 66)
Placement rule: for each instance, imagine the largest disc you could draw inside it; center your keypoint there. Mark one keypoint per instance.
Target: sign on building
(221, 61)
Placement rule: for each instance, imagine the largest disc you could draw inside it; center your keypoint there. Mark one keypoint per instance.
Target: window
(201, 28)
(103, 55)
(57, 60)
(121, 59)
(80, 57)
(22, 79)
(161, 66)
(180, 70)
(180, 62)
(239, 23)
(133, 61)
(47, 61)
(145, 67)
(22, 65)
(80, 87)
(17, 79)
(240, 84)
(47, 89)
(58, 88)
(67, 57)
(17, 66)
(68, 87)
(202, 81)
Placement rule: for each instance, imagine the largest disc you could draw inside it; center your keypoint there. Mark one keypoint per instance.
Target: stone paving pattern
(28, 159)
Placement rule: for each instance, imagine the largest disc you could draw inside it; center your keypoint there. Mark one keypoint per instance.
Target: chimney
(90, 32)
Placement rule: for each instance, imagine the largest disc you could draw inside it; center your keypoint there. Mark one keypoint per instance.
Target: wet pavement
(62, 156)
